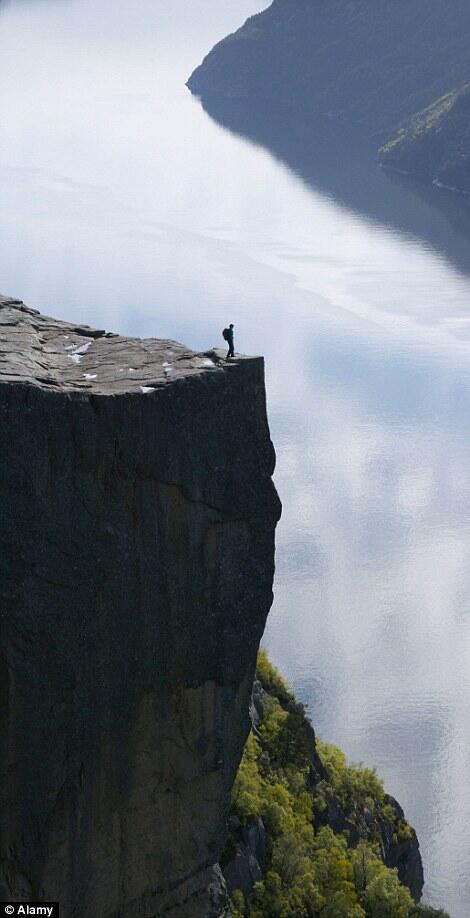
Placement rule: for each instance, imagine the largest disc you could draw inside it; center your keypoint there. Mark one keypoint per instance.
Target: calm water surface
(124, 204)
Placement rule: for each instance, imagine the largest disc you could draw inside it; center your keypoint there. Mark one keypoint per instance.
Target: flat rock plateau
(38, 350)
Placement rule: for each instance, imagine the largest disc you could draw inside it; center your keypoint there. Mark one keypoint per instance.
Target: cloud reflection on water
(372, 616)
(122, 204)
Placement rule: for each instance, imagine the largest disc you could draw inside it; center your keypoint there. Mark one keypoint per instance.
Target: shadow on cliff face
(338, 161)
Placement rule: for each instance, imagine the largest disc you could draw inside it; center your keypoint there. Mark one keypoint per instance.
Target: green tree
(385, 897)
(334, 875)
(312, 873)
(248, 790)
(379, 889)
(237, 904)
(271, 679)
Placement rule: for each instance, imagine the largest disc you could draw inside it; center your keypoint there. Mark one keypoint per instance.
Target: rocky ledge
(136, 566)
(38, 350)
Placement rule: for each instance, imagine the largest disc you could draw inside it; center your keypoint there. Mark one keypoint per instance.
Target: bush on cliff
(312, 871)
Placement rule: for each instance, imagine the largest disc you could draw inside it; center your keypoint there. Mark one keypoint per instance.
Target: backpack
(226, 334)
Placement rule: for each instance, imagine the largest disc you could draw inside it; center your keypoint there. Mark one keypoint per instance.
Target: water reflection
(372, 612)
(124, 205)
(336, 159)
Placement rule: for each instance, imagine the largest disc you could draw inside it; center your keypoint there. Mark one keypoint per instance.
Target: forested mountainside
(435, 144)
(375, 63)
(310, 835)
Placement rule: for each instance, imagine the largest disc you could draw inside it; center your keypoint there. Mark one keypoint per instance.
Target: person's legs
(231, 352)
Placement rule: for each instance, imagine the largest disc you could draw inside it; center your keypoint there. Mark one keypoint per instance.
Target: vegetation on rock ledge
(290, 784)
(435, 143)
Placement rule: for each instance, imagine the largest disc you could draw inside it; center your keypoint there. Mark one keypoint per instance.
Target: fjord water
(124, 205)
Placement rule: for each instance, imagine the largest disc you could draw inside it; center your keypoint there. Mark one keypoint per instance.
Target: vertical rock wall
(136, 563)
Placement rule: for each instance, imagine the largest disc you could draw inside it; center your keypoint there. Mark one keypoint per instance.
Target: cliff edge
(136, 566)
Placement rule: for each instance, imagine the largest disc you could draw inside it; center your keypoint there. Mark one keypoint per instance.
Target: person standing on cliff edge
(228, 335)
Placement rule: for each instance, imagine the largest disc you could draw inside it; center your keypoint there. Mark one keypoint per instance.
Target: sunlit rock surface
(136, 566)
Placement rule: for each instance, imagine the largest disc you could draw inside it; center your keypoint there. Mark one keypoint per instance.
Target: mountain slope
(369, 61)
(310, 835)
(435, 144)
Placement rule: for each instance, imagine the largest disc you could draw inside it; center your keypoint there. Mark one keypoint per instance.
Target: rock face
(248, 865)
(368, 61)
(136, 565)
(402, 854)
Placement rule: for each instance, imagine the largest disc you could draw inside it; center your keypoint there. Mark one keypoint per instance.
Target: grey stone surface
(403, 855)
(249, 863)
(58, 355)
(256, 704)
(136, 565)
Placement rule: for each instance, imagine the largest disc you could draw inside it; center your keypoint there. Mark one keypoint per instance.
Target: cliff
(136, 566)
(435, 144)
(366, 61)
